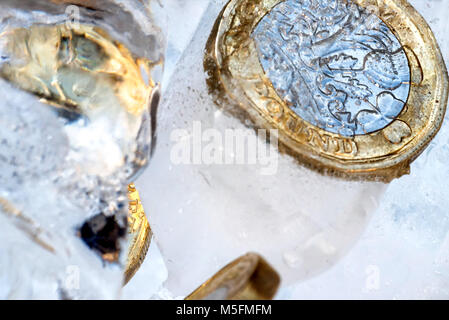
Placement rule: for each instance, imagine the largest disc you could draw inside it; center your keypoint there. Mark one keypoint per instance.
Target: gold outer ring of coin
(238, 83)
(140, 233)
(249, 277)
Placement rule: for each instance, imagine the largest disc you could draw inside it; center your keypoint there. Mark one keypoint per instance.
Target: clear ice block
(79, 83)
(204, 215)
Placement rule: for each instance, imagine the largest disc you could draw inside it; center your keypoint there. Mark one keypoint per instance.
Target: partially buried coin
(249, 277)
(355, 88)
(140, 234)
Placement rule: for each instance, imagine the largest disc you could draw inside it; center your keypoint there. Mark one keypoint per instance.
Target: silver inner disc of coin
(337, 65)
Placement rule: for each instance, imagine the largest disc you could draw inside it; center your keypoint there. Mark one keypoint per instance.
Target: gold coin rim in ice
(239, 84)
(140, 232)
(249, 277)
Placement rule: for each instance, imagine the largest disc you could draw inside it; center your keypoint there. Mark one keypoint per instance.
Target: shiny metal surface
(336, 64)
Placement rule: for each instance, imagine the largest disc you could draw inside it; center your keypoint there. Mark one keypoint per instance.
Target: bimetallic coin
(249, 277)
(356, 88)
(139, 231)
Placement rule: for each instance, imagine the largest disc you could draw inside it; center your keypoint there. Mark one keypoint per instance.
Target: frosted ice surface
(204, 216)
(40, 255)
(183, 18)
(56, 171)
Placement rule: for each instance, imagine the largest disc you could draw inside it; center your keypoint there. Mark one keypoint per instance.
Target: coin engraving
(336, 65)
(361, 140)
